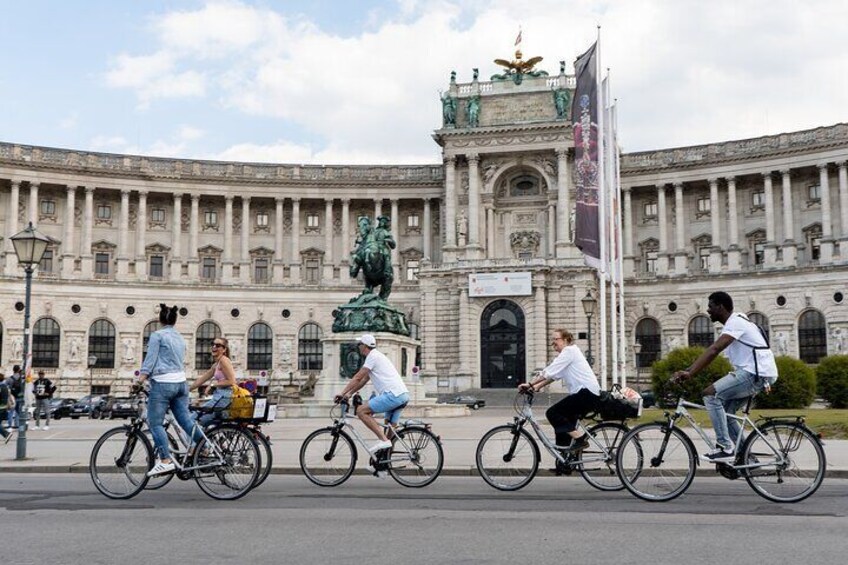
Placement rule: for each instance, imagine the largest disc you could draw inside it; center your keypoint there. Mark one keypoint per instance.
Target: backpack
(15, 383)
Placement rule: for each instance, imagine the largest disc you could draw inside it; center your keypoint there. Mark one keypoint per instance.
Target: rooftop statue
(517, 68)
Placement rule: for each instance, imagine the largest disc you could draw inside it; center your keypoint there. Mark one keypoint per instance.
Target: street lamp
(92, 361)
(637, 347)
(589, 304)
(30, 246)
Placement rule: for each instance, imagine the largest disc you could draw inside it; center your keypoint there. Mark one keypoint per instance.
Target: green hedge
(679, 359)
(832, 377)
(795, 386)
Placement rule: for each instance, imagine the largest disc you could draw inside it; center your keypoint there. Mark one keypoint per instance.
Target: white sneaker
(161, 468)
(380, 445)
(36, 428)
(46, 428)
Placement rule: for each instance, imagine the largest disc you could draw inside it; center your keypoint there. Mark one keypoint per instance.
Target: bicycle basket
(611, 407)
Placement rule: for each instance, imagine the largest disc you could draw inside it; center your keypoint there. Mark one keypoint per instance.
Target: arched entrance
(502, 345)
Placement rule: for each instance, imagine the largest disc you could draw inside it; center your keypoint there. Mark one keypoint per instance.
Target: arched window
(812, 337)
(648, 336)
(701, 332)
(206, 332)
(310, 355)
(45, 343)
(145, 336)
(761, 320)
(260, 347)
(101, 344)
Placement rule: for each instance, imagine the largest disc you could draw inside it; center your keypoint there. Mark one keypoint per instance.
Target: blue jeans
(162, 397)
(220, 401)
(731, 393)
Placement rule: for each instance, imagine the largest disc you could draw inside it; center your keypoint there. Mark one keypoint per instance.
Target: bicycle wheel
(597, 464)
(416, 457)
(264, 444)
(655, 463)
(328, 457)
(159, 481)
(120, 461)
(507, 457)
(792, 459)
(227, 463)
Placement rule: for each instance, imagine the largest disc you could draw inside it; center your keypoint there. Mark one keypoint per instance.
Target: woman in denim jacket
(164, 365)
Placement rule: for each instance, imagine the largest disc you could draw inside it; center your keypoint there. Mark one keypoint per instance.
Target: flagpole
(612, 235)
(620, 226)
(602, 287)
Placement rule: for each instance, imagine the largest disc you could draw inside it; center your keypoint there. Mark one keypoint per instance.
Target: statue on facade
(448, 110)
(475, 74)
(17, 347)
(517, 68)
(75, 349)
(562, 102)
(462, 227)
(373, 256)
(782, 343)
(838, 335)
(472, 111)
(129, 349)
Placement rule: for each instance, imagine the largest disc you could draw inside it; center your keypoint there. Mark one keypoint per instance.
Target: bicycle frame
(344, 422)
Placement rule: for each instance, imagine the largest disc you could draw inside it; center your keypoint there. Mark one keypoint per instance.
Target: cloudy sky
(350, 81)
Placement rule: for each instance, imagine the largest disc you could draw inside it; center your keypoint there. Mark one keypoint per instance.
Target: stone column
(681, 255)
(843, 211)
(141, 237)
(662, 216)
(227, 263)
(490, 231)
(770, 249)
(244, 259)
(294, 269)
(464, 333)
(715, 227)
(329, 263)
(12, 227)
(344, 262)
(68, 253)
(33, 203)
(396, 236)
(473, 206)
(550, 245)
(193, 242)
(734, 253)
(627, 227)
(87, 259)
(378, 209)
(541, 323)
(176, 267)
(789, 250)
(450, 206)
(123, 236)
(563, 230)
(826, 255)
(427, 230)
(279, 264)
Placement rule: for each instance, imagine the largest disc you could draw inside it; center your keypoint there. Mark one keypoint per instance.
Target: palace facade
(258, 253)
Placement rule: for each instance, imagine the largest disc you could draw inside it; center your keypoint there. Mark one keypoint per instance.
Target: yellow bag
(242, 403)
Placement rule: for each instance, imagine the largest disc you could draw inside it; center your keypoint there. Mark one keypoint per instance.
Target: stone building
(259, 252)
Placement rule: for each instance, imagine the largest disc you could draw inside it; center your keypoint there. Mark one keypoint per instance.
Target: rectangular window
(412, 270)
(758, 199)
(157, 266)
(48, 207)
(46, 265)
(759, 253)
(260, 271)
(312, 271)
(703, 205)
(101, 263)
(210, 218)
(157, 215)
(312, 220)
(209, 271)
(412, 221)
(104, 212)
(815, 248)
(814, 193)
(650, 209)
(651, 262)
(704, 255)
(262, 220)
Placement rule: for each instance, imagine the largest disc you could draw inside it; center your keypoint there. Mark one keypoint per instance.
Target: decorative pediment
(703, 240)
(210, 250)
(524, 243)
(814, 228)
(757, 234)
(650, 244)
(157, 248)
(103, 246)
(312, 253)
(412, 254)
(261, 251)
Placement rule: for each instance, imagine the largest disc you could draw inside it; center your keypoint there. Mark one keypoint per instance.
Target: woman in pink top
(224, 379)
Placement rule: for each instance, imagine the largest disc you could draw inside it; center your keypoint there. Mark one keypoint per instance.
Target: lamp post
(92, 361)
(637, 347)
(589, 304)
(30, 246)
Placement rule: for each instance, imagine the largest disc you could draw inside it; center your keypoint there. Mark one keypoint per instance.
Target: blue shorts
(388, 403)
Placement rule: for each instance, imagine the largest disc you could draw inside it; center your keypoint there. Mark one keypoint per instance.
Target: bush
(678, 360)
(795, 386)
(832, 378)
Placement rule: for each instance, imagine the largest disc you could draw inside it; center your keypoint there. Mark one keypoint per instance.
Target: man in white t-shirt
(390, 395)
(754, 369)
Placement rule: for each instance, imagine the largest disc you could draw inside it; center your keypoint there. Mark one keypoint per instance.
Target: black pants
(563, 415)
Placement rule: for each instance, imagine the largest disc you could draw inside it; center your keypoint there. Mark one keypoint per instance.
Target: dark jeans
(563, 415)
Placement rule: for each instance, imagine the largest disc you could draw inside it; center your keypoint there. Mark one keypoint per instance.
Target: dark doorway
(502, 345)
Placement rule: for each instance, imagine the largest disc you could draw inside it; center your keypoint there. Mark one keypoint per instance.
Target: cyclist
(754, 369)
(572, 368)
(390, 391)
(164, 365)
(225, 379)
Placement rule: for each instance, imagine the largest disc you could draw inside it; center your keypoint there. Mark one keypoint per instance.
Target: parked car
(85, 405)
(123, 407)
(60, 408)
(471, 401)
(98, 410)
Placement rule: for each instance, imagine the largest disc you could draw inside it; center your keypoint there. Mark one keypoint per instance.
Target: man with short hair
(390, 395)
(43, 389)
(16, 388)
(754, 369)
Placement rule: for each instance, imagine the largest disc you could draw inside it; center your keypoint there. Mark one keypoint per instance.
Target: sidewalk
(66, 447)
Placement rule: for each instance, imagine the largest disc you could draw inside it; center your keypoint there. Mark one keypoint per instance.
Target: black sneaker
(560, 469)
(719, 455)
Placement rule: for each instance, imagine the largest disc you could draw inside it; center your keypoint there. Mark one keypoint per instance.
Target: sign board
(500, 284)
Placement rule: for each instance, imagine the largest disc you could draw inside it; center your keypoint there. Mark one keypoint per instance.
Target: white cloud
(189, 133)
(177, 144)
(70, 121)
(155, 76)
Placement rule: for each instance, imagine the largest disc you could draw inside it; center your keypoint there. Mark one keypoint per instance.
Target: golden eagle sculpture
(517, 68)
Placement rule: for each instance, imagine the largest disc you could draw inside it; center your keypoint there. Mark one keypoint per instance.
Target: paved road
(60, 518)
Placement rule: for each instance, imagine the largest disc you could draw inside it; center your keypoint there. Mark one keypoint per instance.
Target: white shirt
(573, 369)
(741, 356)
(384, 376)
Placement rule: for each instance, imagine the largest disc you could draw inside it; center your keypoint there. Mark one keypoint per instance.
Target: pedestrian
(7, 404)
(44, 389)
(16, 389)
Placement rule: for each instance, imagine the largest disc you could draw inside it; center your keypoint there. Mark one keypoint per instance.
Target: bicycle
(781, 459)
(328, 455)
(224, 463)
(508, 456)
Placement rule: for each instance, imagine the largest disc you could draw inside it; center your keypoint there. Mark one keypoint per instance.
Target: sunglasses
(556, 339)
(216, 345)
